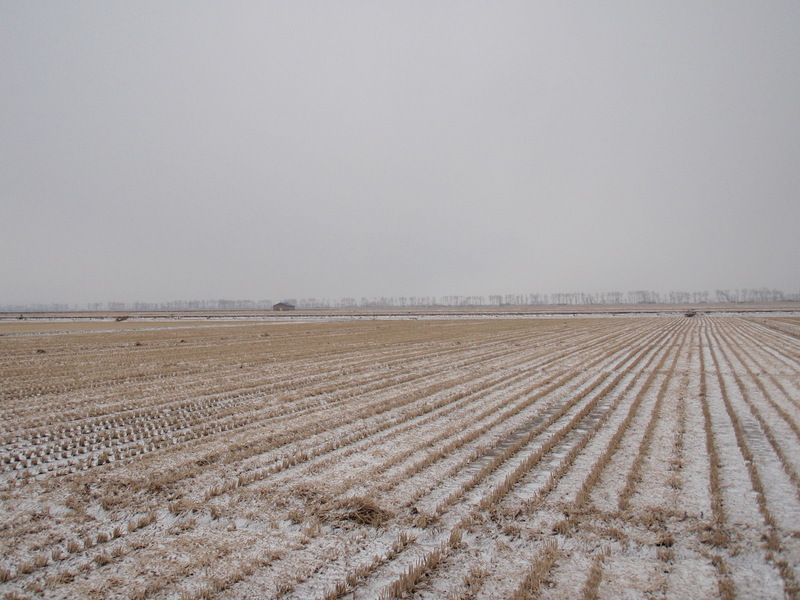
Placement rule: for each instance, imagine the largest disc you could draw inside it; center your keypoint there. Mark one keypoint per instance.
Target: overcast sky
(158, 151)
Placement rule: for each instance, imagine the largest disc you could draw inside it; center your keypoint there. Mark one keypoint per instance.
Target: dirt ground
(418, 456)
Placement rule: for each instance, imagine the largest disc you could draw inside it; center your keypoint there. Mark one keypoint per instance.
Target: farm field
(616, 457)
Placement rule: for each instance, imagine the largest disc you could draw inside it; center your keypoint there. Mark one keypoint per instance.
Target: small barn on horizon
(283, 306)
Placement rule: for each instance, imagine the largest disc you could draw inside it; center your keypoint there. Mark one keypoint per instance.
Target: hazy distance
(183, 150)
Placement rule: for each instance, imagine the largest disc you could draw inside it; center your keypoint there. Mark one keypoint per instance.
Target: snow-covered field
(635, 457)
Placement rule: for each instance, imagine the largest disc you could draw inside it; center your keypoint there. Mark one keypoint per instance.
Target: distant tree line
(182, 305)
(763, 295)
(560, 298)
(176, 305)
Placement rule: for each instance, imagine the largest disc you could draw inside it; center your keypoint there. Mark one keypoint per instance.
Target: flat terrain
(620, 457)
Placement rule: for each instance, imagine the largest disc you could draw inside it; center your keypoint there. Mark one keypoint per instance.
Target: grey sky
(178, 150)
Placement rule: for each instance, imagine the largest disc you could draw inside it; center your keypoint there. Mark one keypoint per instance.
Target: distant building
(283, 306)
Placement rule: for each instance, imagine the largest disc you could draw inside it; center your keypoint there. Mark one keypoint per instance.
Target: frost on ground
(635, 457)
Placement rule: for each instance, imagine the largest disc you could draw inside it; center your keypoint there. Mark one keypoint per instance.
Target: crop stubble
(493, 458)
